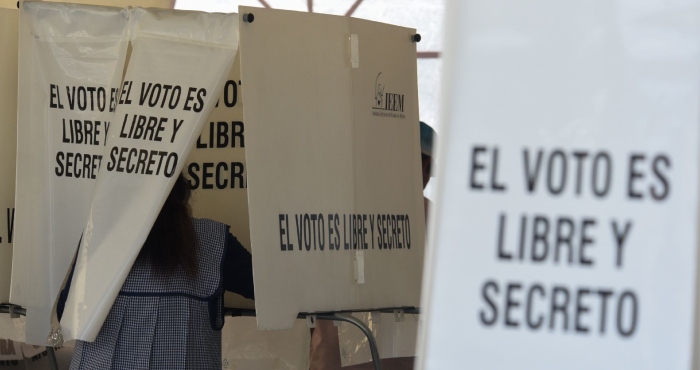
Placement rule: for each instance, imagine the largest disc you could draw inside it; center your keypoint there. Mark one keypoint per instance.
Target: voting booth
(565, 229)
(567, 181)
(318, 174)
(334, 180)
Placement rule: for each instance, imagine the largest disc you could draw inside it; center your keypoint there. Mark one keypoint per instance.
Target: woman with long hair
(169, 311)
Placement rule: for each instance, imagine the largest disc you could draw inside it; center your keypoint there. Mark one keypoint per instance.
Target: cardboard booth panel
(10, 350)
(243, 346)
(30, 350)
(36, 358)
(68, 89)
(9, 23)
(178, 65)
(40, 361)
(12, 329)
(565, 232)
(387, 163)
(334, 175)
(216, 168)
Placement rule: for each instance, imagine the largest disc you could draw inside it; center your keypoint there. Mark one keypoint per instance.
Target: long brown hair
(172, 242)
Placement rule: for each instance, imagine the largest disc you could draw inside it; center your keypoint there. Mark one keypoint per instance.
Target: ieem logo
(386, 104)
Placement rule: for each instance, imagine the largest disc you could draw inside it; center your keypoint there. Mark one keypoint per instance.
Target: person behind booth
(169, 312)
(427, 136)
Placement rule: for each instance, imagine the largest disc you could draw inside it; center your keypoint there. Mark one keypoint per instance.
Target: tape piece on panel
(360, 267)
(354, 51)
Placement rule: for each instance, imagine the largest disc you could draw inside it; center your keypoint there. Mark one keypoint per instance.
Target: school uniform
(171, 321)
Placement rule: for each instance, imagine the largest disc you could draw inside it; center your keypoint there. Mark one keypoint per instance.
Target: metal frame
(16, 311)
(365, 329)
(344, 316)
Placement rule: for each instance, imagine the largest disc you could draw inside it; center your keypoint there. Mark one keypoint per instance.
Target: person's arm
(238, 268)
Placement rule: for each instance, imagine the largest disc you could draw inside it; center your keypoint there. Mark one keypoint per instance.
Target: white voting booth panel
(334, 181)
(35, 271)
(564, 234)
(9, 23)
(40, 359)
(216, 168)
(67, 94)
(159, 86)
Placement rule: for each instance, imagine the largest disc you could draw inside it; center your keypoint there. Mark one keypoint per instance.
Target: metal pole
(13, 310)
(368, 333)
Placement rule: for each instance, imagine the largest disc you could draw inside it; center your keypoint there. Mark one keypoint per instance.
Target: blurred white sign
(565, 229)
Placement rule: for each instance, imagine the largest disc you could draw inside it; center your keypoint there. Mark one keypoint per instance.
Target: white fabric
(65, 51)
(191, 50)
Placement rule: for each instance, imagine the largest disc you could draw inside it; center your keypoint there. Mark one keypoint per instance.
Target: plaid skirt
(165, 321)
